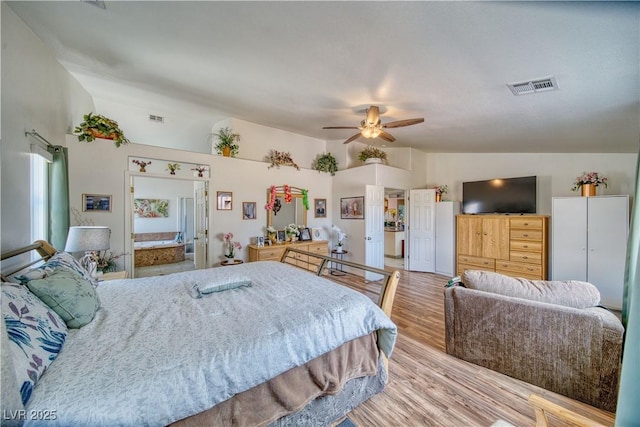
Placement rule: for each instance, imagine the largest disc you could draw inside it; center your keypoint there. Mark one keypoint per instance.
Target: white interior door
(374, 229)
(421, 233)
(569, 238)
(201, 216)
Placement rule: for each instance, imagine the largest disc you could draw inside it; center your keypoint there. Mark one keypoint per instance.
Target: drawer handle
(525, 246)
(525, 235)
(525, 257)
(526, 223)
(530, 269)
(486, 263)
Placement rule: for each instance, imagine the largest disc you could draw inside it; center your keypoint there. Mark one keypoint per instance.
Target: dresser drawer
(533, 235)
(528, 257)
(525, 223)
(519, 269)
(485, 263)
(270, 254)
(319, 248)
(525, 246)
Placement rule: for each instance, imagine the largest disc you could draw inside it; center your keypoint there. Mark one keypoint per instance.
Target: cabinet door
(607, 228)
(569, 238)
(469, 235)
(495, 238)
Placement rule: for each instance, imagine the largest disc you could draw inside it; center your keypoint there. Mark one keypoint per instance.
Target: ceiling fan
(372, 127)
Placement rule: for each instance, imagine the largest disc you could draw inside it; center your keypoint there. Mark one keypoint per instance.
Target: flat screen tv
(510, 195)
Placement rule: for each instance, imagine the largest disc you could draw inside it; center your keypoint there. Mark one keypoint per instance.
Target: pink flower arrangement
(230, 246)
(272, 199)
(441, 189)
(589, 178)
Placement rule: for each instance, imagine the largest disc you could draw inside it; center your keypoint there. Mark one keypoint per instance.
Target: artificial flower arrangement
(200, 169)
(142, 163)
(106, 260)
(340, 235)
(292, 230)
(280, 158)
(173, 167)
(592, 178)
(98, 126)
(230, 246)
(441, 189)
(227, 142)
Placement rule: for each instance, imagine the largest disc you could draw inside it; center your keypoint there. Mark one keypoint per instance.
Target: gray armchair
(550, 334)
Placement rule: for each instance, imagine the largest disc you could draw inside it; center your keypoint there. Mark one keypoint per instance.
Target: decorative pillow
(36, 335)
(59, 260)
(69, 295)
(570, 293)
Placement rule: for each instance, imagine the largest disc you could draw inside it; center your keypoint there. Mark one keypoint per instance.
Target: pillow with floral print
(62, 260)
(36, 335)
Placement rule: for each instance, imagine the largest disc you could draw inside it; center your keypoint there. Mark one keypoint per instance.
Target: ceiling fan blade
(353, 138)
(386, 136)
(340, 127)
(401, 123)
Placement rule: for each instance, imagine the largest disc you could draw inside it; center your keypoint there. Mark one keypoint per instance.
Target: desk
(336, 267)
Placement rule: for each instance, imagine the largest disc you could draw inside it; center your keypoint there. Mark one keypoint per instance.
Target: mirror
(289, 213)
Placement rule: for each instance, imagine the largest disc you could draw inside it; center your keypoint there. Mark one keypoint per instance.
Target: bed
(260, 343)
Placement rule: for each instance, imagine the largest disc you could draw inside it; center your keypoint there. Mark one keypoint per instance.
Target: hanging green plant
(97, 126)
(227, 142)
(325, 163)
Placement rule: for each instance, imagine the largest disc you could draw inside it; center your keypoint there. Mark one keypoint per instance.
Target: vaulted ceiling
(299, 66)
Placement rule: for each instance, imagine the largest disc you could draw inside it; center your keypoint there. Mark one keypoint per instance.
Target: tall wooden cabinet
(512, 245)
(589, 243)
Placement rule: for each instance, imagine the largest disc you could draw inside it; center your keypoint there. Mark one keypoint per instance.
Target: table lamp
(89, 239)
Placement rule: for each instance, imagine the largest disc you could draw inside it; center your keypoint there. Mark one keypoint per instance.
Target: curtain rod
(40, 137)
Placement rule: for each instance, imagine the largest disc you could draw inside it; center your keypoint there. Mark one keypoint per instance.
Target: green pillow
(68, 294)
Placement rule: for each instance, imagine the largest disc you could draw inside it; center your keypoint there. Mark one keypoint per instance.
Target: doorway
(394, 228)
(168, 225)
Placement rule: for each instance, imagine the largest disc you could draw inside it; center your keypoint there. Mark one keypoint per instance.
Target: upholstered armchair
(551, 334)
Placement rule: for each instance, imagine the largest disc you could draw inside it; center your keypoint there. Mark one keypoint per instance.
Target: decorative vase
(373, 160)
(226, 151)
(143, 169)
(273, 238)
(588, 190)
(172, 172)
(438, 197)
(97, 134)
(339, 249)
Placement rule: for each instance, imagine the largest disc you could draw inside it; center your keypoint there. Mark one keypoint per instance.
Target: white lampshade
(88, 238)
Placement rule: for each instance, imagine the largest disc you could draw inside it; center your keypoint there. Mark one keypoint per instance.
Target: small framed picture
(96, 203)
(320, 208)
(224, 200)
(248, 210)
(282, 236)
(318, 234)
(305, 234)
(260, 241)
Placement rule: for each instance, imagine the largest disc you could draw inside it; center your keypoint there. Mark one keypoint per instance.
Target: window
(39, 199)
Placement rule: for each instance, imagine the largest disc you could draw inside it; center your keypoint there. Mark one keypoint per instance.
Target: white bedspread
(154, 355)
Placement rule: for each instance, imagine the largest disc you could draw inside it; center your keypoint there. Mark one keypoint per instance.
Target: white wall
(556, 172)
(37, 93)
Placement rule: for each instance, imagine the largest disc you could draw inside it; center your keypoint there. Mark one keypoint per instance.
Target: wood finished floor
(427, 387)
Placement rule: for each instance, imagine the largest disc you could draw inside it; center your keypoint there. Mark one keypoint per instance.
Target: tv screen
(511, 195)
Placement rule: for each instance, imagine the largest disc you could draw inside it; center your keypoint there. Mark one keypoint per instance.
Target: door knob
(367, 238)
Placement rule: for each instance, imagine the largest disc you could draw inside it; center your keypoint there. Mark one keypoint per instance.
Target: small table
(231, 262)
(336, 269)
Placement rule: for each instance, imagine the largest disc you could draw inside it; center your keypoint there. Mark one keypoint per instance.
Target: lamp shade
(88, 238)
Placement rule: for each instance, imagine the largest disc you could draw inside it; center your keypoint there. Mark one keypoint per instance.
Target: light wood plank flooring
(427, 387)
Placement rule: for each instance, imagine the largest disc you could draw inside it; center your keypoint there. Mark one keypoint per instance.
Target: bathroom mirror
(288, 213)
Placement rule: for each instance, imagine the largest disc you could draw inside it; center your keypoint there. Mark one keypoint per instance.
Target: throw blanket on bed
(154, 355)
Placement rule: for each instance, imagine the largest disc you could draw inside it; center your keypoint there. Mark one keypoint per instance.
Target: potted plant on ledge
(371, 154)
(326, 163)
(97, 126)
(227, 142)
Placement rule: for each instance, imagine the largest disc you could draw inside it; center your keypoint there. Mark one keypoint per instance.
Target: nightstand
(114, 275)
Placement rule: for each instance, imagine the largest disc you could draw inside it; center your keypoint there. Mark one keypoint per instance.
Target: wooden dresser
(512, 245)
(275, 252)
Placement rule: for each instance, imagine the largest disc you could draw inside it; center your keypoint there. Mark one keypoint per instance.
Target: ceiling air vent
(157, 119)
(533, 86)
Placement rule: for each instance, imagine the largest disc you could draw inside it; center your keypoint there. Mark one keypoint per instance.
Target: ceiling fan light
(370, 132)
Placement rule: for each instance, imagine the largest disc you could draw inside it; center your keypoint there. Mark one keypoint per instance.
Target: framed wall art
(224, 200)
(352, 207)
(96, 203)
(320, 208)
(151, 208)
(248, 210)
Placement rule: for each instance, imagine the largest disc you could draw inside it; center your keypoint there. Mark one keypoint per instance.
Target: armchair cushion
(570, 293)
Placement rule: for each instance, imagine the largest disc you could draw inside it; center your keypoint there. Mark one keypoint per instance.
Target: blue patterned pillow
(59, 260)
(36, 335)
